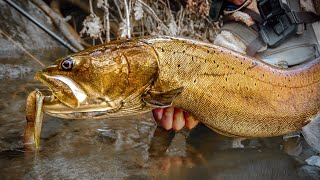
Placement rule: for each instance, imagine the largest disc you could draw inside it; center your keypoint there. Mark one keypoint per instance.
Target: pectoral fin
(311, 133)
(161, 99)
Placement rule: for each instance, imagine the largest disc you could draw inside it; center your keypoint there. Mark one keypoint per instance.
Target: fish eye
(67, 64)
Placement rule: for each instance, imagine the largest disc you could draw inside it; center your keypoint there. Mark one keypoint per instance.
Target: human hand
(174, 118)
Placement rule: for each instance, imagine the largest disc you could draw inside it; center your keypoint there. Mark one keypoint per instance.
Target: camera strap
(252, 38)
(303, 17)
(248, 35)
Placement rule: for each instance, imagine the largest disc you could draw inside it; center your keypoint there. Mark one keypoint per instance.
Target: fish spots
(162, 50)
(205, 61)
(194, 81)
(192, 58)
(226, 79)
(208, 51)
(214, 61)
(179, 65)
(183, 51)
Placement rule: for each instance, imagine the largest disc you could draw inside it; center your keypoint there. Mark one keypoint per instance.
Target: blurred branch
(60, 22)
(150, 11)
(106, 19)
(119, 9)
(126, 5)
(55, 6)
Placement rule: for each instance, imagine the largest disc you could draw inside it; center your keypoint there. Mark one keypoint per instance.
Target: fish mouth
(67, 99)
(66, 90)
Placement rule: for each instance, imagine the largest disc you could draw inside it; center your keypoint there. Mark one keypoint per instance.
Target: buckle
(293, 17)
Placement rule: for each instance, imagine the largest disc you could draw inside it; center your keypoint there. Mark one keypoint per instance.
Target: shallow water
(133, 147)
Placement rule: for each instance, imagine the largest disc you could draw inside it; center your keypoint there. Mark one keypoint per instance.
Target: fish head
(103, 78)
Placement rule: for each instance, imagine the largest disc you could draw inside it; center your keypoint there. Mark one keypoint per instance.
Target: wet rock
(177, 146)
(9, 71)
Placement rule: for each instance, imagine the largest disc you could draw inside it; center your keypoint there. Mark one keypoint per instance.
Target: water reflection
(134, 148)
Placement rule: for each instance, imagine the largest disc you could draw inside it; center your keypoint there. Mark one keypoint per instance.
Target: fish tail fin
(311, 133)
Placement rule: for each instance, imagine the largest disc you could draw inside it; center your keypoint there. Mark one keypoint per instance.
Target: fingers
(174, 118)
(167, 118)
(178, 120)
(191, 122)
(157, 114)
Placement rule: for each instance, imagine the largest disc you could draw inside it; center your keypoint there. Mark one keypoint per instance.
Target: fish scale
(235, 94)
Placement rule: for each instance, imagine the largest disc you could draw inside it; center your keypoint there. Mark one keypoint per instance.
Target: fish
(231, 93)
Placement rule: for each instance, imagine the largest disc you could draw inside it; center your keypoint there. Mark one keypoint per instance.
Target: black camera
(278, 22)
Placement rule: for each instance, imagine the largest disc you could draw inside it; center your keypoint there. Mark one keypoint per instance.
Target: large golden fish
(231, 93)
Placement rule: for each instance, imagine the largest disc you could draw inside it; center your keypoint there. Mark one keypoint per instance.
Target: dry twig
(150, 11)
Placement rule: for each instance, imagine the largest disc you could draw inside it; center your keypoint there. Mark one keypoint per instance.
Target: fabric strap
(249, 36)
